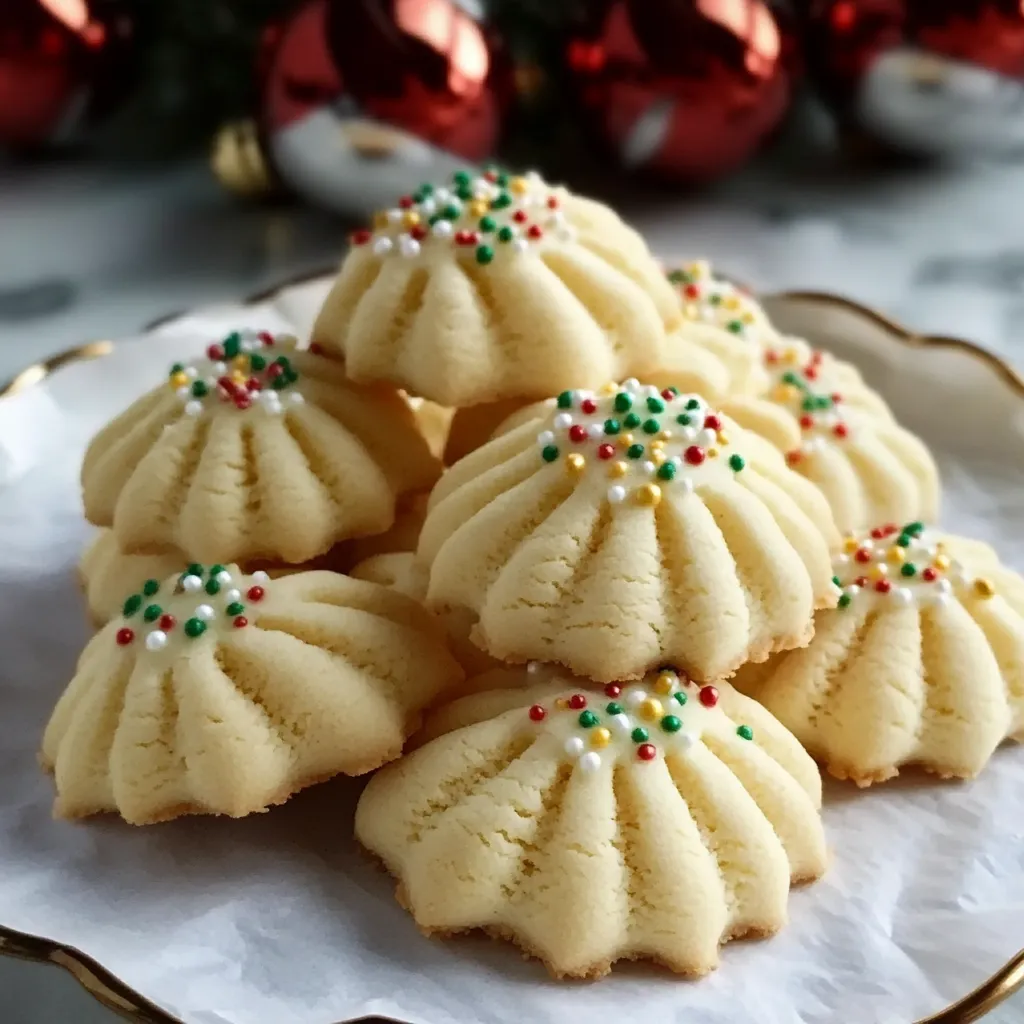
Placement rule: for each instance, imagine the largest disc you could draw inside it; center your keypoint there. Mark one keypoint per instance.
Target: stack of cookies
(673, 558)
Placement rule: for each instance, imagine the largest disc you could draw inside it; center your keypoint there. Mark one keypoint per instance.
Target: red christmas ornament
(687, 89)
(61, 65)
(365, 100)
(934, 77)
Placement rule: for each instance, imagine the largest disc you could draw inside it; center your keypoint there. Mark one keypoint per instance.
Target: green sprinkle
(232, 345)
(487, 224)
(908, 569)
(132, 605)
(194, 628)
(464, 192)
(736, 462)
(824, 402)
(915, 529)
(639, 734)
(452, 211)
(623, 402)
(903, 540)
(683, 419)
(667, 470)
(235, 608)
(484, 254)
(506, 234)
(199, 388)
(216, 568)
(671, 724)
(564, 400)
(837, 581)
(588, 719)
(152, 612)
(176, 368)
(434, 218)
(809, 404)
(549, 453)
(680, 697)
(631, 420)
(612, 426)
(677, 276)
(844, 600)
(655, 405)
(500, 201)
(279, 383)
(745, 732)
(613, 708)
(502, 180)
(461, 178)
(212, 586)
(195, 569)
(651, 426)
(789, 377)
(736, 326)
(290, 376)
(693, 404)
(635, 451)
(150, 587)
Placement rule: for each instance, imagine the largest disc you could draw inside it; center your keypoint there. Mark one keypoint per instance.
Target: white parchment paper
(278, 919)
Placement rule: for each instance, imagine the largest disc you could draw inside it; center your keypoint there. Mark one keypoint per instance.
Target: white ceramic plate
(277, 918)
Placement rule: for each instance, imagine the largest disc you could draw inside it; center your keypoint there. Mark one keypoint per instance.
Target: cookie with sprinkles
(619, 529)
(221, 692)
(842, 438)
(920, 663)
(255, 451)
(559, 815)
(493, 286)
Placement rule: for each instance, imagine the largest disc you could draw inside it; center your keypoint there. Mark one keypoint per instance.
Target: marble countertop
(89, 252)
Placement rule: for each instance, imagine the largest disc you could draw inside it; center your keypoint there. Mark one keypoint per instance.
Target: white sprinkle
(707, 437)
(684, 484)
(296, 397)
(650, 391)
(260, 576)
(232, 595)
(901, 595)
(533, 667)
(383, 245)
(408, 246)
(429, 206)
(220, 369)
(636, 697)
(666, 435)
(616, 494)
(574, 745)
(590, 761)
(520, 245)
(545, 437)
(686, 739)
(395, 216)
(223, 577)
(442, 195)
(156, 641)
(556, 219)
(632, 384)
(205, 612)
(193, 408)
(621, 722)
(184, 393)
(443, 229)
(689, 435)
(852, 590)
(867, 543)
(563, 421)
(943, 586)
(191, 584)
(882, 569)
(842, 559)
(191, 372)
(649, 468)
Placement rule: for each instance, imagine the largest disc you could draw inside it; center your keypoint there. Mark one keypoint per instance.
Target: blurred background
(159, 155)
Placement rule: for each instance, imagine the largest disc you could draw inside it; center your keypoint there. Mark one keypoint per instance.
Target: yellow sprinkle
(625, 440)
(479, 207)
(983, 587)
(658, 456)
(897, 554)
(649, 494)
(575, 462)
(723, 437)
(610, 388)
(179, 380)
(380, 219)
(791, 355)
(600, 737)
(657, 446)
(618, 469)
(666, 682)
(518, 185)
(731, 302)
(665, 435)
(410, 218)
(850, 544)
(879, 571)
(783, 393)
(238, 377)
(651, 709)
(941, 562)
(690, 311)
(562, 703)
(712, 453)
(747, 318)
(240, 362)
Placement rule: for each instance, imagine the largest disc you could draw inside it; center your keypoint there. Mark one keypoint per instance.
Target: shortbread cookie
(627, 529)
(218, 692)
(256, 452)
(492, 287)
(845, 441)
(922, 662)
(653, 821)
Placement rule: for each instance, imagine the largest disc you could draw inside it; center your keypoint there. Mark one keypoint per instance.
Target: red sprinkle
(862, 555)
(668, 394)
(836, 397)
(537, 713)
(240, 622)
(807, 422)
(794, 456)
(534, 231)
(771, 356)
(811, 373)
(605, 451)
(890, 528)
(419, 232)
(878, 532)
(577, 433)
(491, 176)
(647, 751)
(694, 455)
(691, 291)
(274, 370)
(577, 702)
(588, 405)
(405, 202)
(613, 690)
(255, 593)
(816, 357)
(929, 574)
(267, 338)
(520, 216)
(840, 430)
(883, 586)
(242, 400)
(362, 236)
(712, 422)
(253, 384)
(167, 622)
(552, 202)
(227, 384)
(861, 581)
(708, 696)
(125, 636)
(215, 352)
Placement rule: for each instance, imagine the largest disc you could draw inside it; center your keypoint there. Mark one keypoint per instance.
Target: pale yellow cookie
(218, 692)
(279, 461)
(922, 662)
(840, 435)
(486, 289)
(625, 529)
(646, 821)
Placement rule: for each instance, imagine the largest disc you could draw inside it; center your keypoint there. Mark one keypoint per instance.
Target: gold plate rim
(130, 1004)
